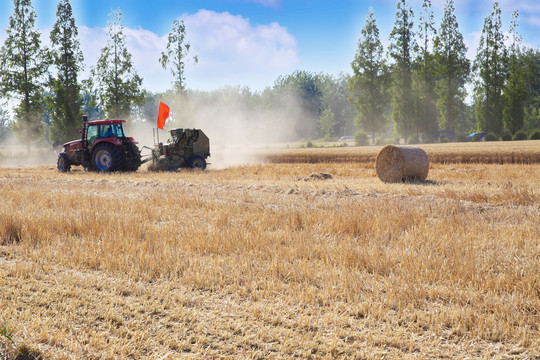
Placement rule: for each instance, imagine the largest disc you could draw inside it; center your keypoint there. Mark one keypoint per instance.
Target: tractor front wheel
(64, 164)
(106, 157)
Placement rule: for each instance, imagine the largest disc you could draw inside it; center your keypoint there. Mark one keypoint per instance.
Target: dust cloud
(238, 130)
(14, 153)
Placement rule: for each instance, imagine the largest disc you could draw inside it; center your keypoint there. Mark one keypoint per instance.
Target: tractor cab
(103, 129)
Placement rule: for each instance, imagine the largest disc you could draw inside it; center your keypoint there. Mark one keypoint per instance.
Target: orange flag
(162, 115)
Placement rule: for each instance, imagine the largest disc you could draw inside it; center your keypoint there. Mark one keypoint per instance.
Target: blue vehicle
(479, 135)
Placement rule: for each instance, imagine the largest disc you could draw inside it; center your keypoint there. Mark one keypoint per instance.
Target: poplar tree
(515, 91)
(335, 96)
(369, 84)
(531, 60)
(23, 67)
(425, 72)
(490, 72)
(177, 52)
(4, 122)
(66, 101)
(402, 37)
(327, 123)
(306, 90)
(116, 83)
(452, 70)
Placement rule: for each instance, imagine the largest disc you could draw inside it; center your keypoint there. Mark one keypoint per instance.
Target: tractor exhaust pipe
(83, 131)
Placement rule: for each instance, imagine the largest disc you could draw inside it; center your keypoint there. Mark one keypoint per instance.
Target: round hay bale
(401, 163)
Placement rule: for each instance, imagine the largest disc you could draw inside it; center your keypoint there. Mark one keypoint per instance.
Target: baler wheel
(197, 162)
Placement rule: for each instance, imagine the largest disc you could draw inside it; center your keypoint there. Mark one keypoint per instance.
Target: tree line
(44, 82)
(420, 81)
(416, 86)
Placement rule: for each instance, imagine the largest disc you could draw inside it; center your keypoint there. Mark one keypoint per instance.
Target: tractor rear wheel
(64, 164)
(197, 162)
(106, 157)
(133, 157)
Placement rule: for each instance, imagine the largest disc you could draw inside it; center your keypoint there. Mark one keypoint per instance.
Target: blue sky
(251, 42)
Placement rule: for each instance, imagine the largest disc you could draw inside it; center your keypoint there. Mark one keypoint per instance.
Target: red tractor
(103, 147)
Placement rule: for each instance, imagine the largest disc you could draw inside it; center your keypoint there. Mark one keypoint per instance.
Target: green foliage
(462, 138)
(174, 57)
(424, 74)
(531, 61)
(369, 84)
(520, 135)
(506, 137)
(327, 123)
(477, 137)
(361, 139)
(413, 139)
(403, 100)
(114, 79)
(23, 66)
(515, 90)
(490, 69)
(444, 138)
(535, 135)
(335, 96)
(5, 126)
(4, 334)
(532, 114)
(7, 344)
(65, 102)
(491, 137)
(452, 70)
(148, 108)
(305, 91)
(309, 144)
(91, 107)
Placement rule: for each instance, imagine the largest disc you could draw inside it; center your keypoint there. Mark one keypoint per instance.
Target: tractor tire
(63, 163)
(106, 157)
(197, 162)
(133, 157)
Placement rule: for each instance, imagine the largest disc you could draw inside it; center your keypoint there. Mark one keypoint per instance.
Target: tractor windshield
(111, 130)
(117, 130)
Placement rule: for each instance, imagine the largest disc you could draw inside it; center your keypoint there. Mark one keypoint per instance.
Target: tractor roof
(106, 121)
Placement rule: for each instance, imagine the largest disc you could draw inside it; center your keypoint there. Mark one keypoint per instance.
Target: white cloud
(231, 51)
(532, 20)
(3, 37)
(92, 40)
(144, 46)
(472, 40)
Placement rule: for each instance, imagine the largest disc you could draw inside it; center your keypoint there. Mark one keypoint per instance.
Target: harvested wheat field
(496, 152)
(271, 261)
